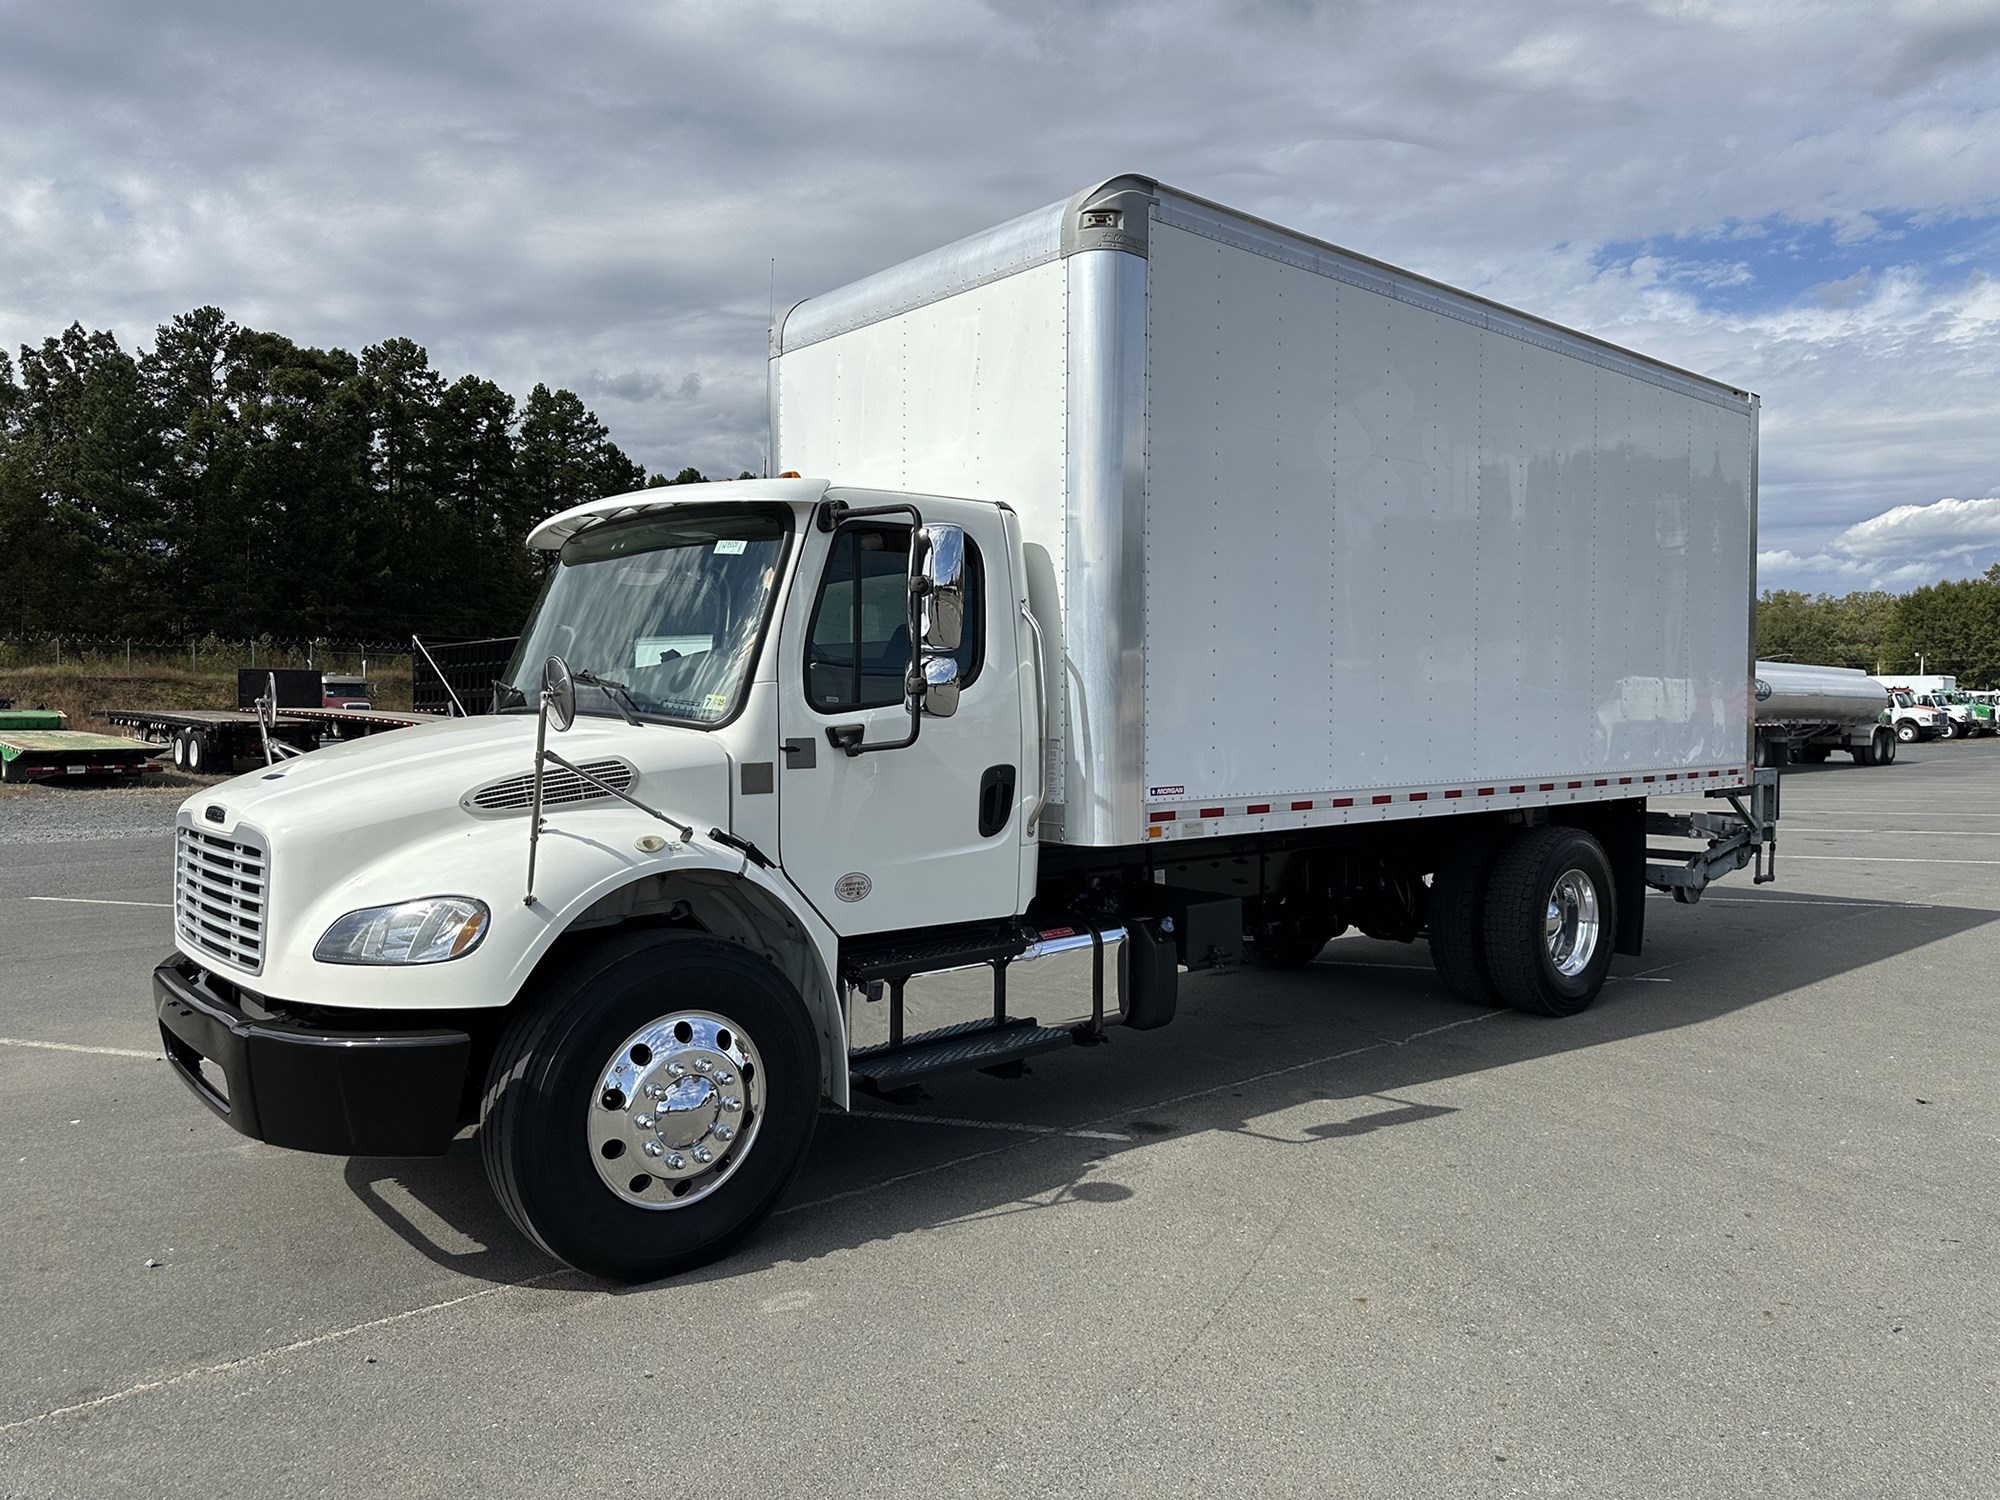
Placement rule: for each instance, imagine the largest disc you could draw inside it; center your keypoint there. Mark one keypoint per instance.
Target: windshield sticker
(715, 703)
(730, 547)
(653, 650)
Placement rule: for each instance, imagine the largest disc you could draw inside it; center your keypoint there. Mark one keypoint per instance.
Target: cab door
(927, 833)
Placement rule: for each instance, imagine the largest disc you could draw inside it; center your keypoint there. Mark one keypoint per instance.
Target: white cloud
(1904, 547)
(542, 194)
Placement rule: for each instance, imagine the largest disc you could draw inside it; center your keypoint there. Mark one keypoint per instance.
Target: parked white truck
(1805, 713)
(1149, 538)
(1959, 717)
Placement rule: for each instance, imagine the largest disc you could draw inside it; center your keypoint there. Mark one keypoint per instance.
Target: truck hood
(354, 802)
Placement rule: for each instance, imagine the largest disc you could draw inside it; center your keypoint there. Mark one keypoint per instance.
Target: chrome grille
(558, 785)
(219, 888)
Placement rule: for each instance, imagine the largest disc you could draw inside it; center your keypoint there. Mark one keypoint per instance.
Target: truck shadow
(1351, 1038)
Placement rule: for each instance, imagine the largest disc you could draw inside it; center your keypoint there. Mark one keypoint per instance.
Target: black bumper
(346, 1093)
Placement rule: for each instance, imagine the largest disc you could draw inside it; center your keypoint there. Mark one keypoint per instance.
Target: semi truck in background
(1805, 713)
(1106, 645)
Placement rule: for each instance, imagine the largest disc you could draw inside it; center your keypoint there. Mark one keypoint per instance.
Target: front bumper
(346, 1093)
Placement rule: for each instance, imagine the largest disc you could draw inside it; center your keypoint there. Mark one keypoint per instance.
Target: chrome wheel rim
(1571, 924)
(675, 1110)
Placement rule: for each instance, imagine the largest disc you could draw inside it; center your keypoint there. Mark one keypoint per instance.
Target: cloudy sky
(1799, 196)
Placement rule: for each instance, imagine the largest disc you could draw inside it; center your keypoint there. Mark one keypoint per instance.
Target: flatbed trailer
(59, 754)
(355, 723)
(209, 741)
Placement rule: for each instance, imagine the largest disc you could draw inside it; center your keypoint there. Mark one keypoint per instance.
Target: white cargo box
(1315, 540)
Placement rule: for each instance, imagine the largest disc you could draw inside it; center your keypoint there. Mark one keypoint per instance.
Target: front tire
(1907, 732)
(651, 1106)
(1551, 920)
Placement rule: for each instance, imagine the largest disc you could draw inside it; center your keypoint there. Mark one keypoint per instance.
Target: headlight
(429, 931)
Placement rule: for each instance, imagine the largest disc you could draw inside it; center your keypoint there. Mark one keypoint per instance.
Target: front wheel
(651, 1107)
(1950, 731)
(1551, 919)
(1907, 732)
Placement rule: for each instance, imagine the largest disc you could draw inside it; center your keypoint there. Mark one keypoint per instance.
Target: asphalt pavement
(1731, 1232)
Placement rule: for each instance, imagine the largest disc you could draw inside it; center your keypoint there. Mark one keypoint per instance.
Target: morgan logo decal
(853, 886)
(1166, 791)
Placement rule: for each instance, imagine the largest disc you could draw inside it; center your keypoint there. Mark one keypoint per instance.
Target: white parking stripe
(15, 1041)
(295, 1347)
(1883, 859)
(1014, 1125)
(99, 901)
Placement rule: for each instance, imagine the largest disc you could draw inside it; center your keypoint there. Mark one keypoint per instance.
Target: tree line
(1950, 627)
(231, 482)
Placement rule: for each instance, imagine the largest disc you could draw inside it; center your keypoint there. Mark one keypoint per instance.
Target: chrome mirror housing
(558, 693)
(937, 578)
(940, 687)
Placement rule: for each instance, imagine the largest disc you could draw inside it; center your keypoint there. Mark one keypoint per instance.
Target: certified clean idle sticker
(853, 886)
(1763, 690)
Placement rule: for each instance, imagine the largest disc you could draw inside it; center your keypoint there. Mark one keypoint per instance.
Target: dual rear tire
(1527, 921)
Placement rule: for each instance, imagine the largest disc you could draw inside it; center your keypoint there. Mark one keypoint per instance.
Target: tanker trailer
(1805, 713)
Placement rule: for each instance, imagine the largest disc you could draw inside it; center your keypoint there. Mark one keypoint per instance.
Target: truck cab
(1911, 720)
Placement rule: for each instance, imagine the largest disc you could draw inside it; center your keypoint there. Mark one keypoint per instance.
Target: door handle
(800, 755)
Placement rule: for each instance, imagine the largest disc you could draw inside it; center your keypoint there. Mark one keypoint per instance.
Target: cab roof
(559, 528)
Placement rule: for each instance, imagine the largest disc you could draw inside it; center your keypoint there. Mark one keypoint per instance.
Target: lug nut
(644, 1122)
(677, 1070)
(725, 1079)
(731, 1103)
(703, 1155)
(701, 1065)
(723, 1133)
(654, 1091)
(675, 1161)
(654, 1148)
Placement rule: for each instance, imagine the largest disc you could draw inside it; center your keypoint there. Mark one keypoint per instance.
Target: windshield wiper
(619, 694)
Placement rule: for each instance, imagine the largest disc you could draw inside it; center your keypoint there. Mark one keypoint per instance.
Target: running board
(972, 1045)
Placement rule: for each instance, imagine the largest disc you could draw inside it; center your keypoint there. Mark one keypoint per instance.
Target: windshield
(670, 605)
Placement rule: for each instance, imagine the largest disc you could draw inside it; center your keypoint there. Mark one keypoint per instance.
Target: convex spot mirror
(940, 686)
(558, 693)
(937, 578)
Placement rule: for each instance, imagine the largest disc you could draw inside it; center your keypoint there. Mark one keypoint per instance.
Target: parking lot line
(261, 1355)
(16, 1041)
(1883, 859)
(99, 901)
(1014, 1125)
(1929, 833)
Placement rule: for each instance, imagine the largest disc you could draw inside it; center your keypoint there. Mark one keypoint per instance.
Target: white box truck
(1108, 642)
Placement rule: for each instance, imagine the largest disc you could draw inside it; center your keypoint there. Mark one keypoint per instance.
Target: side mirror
(937, 578)
(558, 693)
(940, 687)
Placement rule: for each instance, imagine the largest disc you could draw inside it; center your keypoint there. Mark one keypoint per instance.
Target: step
(862, 961)
(962, 1048)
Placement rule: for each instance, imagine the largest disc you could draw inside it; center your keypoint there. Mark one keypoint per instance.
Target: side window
(858, 647)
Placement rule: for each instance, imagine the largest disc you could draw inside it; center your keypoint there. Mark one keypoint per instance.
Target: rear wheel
(1551, 913)
(653, 1105)
(199, 753)
(1458, 920)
